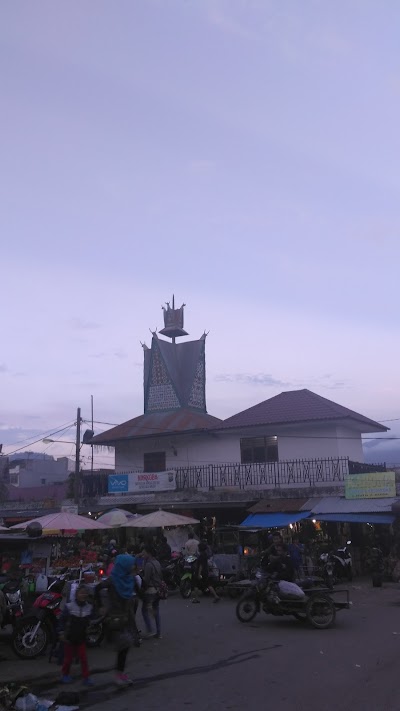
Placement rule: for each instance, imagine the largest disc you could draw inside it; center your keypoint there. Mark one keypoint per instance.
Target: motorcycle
(281, 598)
(35, 632)
(187, 579)
(326, 570)
(342, 563)
(14, 607)
(172, 573)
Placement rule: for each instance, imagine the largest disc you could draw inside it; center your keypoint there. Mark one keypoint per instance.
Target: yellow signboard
(375, 485)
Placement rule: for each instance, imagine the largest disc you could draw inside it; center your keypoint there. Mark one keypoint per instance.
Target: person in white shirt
(191, 546)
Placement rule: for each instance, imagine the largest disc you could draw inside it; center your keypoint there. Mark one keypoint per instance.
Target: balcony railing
(268, 475)
(298, 472)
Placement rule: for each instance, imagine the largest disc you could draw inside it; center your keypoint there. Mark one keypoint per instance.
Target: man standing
(191, 546)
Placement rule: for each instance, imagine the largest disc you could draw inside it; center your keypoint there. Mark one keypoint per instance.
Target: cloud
(229, 25)
(81, 325)
(120, 354)
(97, 355)
(3, 368)
(251, 378)
(201, 165)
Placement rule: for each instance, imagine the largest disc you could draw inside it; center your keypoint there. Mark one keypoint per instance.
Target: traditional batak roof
(295, 407)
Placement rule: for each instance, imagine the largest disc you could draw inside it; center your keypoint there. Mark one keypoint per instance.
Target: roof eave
(166, 433)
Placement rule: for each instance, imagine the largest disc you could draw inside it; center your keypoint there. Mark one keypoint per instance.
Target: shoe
(158, 636)
(148, 635)
(88, 682)
(66, 679)
(122, 679)
(195, 602)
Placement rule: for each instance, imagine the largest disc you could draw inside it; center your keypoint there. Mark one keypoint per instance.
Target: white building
(176, 432)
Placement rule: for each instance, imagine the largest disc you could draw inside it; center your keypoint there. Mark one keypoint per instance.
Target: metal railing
(298, 472)
(268, 475)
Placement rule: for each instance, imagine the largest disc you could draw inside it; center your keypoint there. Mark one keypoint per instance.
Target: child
(73, 625)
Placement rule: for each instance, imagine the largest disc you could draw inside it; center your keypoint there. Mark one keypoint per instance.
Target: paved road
(207, 661)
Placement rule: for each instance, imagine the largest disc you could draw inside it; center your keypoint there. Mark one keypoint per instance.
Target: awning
(273, 520)
(356, 517)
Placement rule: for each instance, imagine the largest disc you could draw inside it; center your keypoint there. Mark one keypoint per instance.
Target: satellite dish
(34, 529)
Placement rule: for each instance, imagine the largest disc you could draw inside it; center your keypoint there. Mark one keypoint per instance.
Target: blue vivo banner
(117, 483)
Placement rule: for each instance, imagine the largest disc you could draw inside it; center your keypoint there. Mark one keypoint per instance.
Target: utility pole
(92, 463)
(77, 455)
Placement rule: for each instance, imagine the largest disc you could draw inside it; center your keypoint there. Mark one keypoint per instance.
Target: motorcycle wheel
(185, 589)
(247, 608)
(321, 612)
(95, 634)
(23, 646)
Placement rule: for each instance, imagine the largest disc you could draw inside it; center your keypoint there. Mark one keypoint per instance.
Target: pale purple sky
(243, 154)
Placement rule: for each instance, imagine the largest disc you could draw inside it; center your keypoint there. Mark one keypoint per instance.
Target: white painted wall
(191, 450)
(305, 442)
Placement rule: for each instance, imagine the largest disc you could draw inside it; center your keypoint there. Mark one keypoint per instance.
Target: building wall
(306, 442)
(190, 450)
(38, 472)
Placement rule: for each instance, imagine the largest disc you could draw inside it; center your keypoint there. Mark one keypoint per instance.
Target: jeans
(151, 606)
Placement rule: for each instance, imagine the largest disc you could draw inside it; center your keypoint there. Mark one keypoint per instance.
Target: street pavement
(208, 661)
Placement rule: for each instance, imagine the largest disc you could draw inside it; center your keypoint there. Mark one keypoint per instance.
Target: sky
(242, 154)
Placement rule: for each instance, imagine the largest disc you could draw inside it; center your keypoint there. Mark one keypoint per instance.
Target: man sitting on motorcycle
(276, 561)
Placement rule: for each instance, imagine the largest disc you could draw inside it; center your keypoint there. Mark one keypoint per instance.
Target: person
(202, 581)
(72, 629)
(112, 545)
(164, 550)
(111, 563)
(152, 582)
(296, 556)
(118, 611)
(191, 546)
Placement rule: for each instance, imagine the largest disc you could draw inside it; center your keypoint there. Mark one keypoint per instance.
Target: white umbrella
(116, 518)
(62, 522)
(162, 519)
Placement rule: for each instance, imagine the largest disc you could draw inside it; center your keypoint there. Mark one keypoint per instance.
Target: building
(32, 469)
(297, 436)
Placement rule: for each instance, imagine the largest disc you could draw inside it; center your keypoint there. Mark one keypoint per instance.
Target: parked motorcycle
(187, 579)
(326, 570)
(172, 573)
(342, 563)
(282, 598)
(14, 607)
(39, 629)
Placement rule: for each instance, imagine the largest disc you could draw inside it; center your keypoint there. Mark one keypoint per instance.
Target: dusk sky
(242, 154)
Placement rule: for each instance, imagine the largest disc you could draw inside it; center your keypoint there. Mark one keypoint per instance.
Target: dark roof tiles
(297, 406)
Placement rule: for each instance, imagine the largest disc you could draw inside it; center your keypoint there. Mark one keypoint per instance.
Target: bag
(162, 590)
(290, 591)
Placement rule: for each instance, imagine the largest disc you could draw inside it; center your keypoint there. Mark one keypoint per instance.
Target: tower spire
(173, 321)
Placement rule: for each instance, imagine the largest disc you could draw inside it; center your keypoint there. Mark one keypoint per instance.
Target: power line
(48, 434)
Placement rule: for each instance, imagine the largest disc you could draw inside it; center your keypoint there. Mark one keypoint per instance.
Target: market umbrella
(162, 519)
(117, 518)
(63, 522)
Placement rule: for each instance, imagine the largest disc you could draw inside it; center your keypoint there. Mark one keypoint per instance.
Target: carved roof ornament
(173, 321)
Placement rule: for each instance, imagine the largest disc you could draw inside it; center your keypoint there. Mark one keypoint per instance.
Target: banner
(375, 485)
(141, 482)
(117, 483)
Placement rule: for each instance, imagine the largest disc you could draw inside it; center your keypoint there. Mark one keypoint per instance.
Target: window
(259, 449)
(154, 462)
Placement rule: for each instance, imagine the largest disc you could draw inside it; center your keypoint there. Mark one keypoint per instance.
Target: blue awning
(356, 517)
(273, 520)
